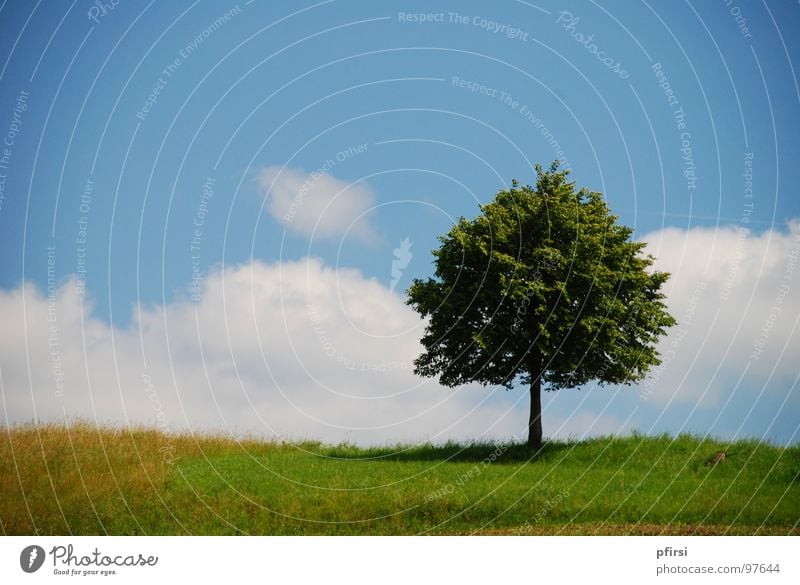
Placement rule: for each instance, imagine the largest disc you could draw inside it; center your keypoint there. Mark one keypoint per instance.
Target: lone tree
(544, 286)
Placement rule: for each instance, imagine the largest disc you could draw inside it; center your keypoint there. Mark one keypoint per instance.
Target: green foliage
(543, 283)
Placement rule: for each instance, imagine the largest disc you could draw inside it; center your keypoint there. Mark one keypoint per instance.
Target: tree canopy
(544, 286)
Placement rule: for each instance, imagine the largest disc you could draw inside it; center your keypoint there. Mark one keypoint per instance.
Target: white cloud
(736, 295)
(317, 203)
(301, 350)
(294, 349)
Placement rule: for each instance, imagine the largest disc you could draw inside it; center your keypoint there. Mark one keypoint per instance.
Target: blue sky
(251, 97)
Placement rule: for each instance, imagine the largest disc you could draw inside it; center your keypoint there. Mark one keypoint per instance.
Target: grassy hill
(84, 480)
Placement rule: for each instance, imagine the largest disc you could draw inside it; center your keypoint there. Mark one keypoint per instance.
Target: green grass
(83, 480)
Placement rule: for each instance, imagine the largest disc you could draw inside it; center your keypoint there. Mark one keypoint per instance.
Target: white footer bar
(401, 560)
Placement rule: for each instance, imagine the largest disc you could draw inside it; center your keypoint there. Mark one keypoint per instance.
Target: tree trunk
(535, 419)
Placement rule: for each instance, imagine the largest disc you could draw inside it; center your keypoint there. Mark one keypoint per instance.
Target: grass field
(84, 480)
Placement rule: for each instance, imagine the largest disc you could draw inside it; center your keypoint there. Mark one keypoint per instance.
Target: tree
(543, 286)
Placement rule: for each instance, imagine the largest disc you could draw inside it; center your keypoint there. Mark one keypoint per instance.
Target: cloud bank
(299, 350)
(736, 296)
(294, 349)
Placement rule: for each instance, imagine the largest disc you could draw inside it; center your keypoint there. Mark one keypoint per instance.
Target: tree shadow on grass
(489, 453)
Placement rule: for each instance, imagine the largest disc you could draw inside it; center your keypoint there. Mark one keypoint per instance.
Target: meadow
(84, 480)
